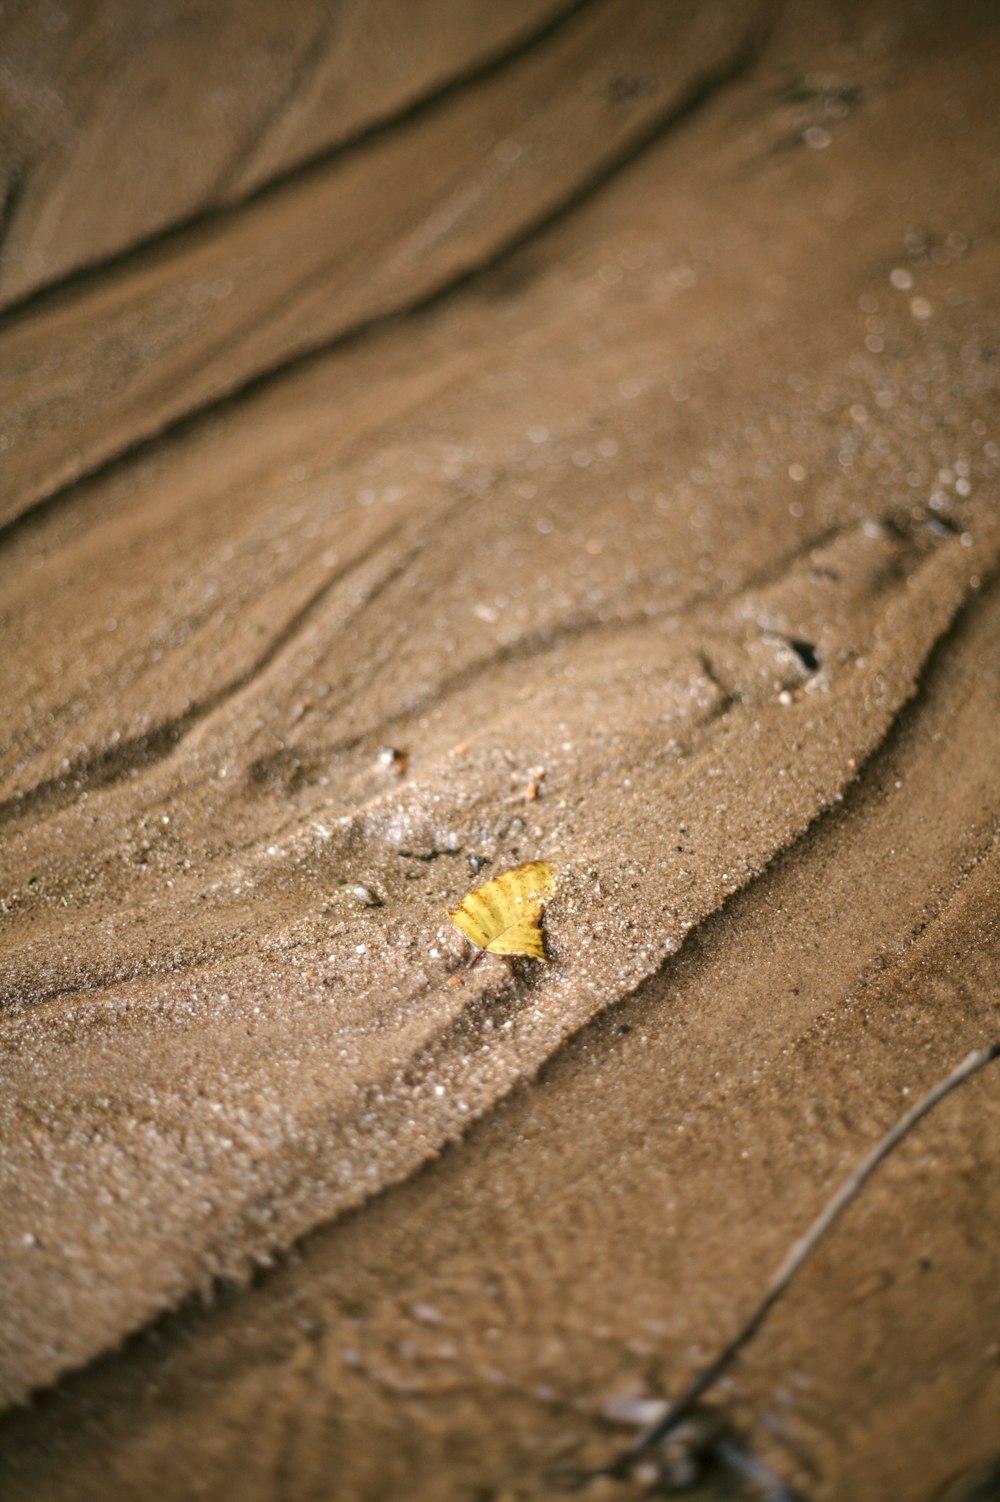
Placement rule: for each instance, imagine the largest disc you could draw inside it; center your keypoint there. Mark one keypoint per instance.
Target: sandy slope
(689, 501)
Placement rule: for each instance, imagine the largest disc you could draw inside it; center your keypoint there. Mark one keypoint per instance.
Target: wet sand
(635, 479)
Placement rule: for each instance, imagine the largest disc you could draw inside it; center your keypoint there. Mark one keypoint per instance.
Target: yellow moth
(503, 916)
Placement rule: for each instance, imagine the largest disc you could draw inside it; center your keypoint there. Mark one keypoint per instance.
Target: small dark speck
(624, 1028)
(679, 849)
(941, 525)
(31, 881)
(805, 652)
(477, 862)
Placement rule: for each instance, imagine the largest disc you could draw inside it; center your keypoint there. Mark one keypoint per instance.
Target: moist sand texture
(579, 443)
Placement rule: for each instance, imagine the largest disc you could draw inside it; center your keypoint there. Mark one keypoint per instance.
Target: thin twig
(797, 1256)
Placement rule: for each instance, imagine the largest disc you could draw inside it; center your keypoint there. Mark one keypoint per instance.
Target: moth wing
(524, 937)
(533, 879)
(475, 918)
(503, 914)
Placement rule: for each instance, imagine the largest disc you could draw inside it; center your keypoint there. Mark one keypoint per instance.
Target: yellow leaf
(503, 915)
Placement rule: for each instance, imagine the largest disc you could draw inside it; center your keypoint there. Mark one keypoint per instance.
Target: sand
(620, 491)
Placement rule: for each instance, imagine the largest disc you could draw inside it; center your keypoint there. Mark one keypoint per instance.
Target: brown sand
(688, 498)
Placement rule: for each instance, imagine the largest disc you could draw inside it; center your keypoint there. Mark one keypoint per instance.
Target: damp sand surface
(658, 543)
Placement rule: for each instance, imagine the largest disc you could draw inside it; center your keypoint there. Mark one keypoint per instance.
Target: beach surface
(569, 434)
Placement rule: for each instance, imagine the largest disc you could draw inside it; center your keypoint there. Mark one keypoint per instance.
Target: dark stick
(798, 1255)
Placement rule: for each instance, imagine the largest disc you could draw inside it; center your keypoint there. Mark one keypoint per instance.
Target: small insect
(504, 915)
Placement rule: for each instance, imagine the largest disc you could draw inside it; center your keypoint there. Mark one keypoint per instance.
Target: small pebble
(366, 896)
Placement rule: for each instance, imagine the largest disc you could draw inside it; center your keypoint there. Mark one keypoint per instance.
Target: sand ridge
(683, 515)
